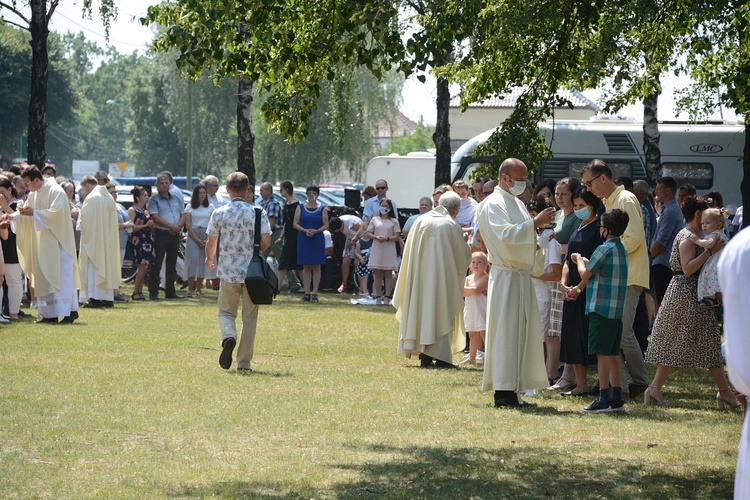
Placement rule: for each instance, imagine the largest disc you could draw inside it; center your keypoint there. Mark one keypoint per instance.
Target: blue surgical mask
(583, 213)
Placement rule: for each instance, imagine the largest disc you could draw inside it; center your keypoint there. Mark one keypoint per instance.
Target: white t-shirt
(552, 255)
(200, 216)
(349, 221)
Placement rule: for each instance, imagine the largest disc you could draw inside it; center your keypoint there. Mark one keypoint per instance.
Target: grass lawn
(131, 403)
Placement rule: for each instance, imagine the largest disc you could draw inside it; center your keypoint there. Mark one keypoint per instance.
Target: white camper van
(409, 177)
(708, 156)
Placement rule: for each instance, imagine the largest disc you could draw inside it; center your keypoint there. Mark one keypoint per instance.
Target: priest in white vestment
(47, 248)
(429, 294)
(99, 257)
(514, 355)
(734, 277)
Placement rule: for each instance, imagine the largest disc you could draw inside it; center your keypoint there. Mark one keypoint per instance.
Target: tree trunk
(245, 137)
(36, 152)
(442, 135)
(651, 138)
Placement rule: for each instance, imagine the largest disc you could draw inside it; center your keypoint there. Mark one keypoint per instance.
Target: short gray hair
(450, 200)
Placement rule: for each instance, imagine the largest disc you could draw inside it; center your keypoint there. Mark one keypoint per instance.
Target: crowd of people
(582, 272)
(543, 281)
(671, 239)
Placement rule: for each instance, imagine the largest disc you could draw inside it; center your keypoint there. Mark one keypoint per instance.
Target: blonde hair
(483, 256)
(715, 215)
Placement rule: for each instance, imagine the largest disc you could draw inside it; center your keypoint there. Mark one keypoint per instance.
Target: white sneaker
(480, 355)
(3, 319)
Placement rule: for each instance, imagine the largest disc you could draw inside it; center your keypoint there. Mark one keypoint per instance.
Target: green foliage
(15, 53)
(287, 47)
(322, 154)
(420, 140)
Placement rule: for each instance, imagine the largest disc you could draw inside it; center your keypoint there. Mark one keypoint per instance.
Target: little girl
(363, 273)
(475, 308)
(712, 223)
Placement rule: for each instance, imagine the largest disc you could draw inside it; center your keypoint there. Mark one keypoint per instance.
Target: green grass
(131, 403)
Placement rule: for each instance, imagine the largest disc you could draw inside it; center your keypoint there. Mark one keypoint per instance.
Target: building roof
(400, 126)
(509, 99)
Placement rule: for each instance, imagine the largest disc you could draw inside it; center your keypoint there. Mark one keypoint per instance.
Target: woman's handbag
(261, 282)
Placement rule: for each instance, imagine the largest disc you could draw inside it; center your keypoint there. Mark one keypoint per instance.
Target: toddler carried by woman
(712, 224)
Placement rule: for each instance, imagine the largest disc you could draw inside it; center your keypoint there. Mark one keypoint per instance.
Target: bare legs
(476, 343)
(662, 373)
(140, 277)
(310, 278)
(552, 360)
(344, 274)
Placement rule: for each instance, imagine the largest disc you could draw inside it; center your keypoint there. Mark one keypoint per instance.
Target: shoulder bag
(261, 281)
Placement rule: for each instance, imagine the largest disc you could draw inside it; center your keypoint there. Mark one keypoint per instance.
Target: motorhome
(709, 156)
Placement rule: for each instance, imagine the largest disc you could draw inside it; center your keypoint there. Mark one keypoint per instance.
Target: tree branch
(16, 12)
(52, 7)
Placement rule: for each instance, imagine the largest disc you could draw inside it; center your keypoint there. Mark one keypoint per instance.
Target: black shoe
(107, 304)
(443, 365)
(93, 304)
(245, 370)
(227, 347)
(46, 320)
(636, 390)
(173, 296)
(425, 361)
(505, 399)
(120, 298)
(153, 296)
(68, 320)
(576, 394)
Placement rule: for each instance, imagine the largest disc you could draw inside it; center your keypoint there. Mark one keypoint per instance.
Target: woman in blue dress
(311, 220)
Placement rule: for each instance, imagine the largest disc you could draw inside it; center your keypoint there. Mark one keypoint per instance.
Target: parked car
(125, 198)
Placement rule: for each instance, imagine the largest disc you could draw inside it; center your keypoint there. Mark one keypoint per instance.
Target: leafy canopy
(287, 46)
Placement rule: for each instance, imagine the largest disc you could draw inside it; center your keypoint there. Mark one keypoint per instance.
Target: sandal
(199, 294)
(314, 298)
(189, 293)
(709, 302)
(138, 296)
(305, 298)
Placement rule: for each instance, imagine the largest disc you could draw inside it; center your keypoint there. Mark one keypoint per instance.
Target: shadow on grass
(503, 472)
(260, 373)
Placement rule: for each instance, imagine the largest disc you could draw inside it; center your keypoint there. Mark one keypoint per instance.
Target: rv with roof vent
(709, 156)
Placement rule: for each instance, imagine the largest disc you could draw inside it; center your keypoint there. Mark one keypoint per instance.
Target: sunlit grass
(131, 402)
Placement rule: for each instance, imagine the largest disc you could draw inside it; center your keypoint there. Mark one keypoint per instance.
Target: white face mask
(384, 210)
(517, 188)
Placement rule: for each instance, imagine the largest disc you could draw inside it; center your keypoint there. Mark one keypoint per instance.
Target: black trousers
(661, 275)
(167, 245)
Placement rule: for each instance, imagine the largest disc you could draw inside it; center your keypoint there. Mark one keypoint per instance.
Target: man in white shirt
(372, 207)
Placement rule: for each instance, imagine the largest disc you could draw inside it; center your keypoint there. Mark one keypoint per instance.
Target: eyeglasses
(588, 184)
(487, 193)
(212, 185)
(382, 188)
